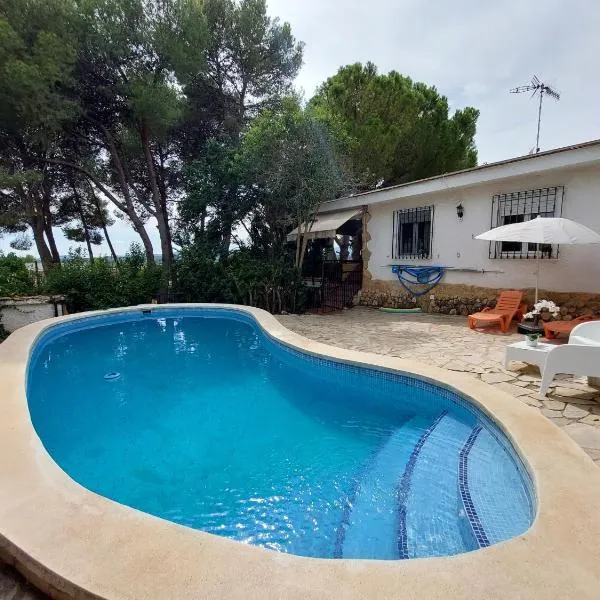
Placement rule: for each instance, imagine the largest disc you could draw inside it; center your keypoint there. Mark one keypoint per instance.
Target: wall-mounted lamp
(460, 211)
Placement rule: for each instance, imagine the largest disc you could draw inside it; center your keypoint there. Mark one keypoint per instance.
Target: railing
(517, 207)
(335, 287)
(170, 297)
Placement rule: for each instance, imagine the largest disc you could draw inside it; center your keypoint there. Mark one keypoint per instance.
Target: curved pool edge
(73, 543)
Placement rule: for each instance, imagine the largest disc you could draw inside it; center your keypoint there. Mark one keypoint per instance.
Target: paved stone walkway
(446, 341)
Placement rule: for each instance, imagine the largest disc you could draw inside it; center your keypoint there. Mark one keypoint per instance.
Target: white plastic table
(533, 355)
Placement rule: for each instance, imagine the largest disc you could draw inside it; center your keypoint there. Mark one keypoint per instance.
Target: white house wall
(577, 268)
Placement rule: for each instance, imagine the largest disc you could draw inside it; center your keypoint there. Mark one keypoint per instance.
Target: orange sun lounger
(508, 306)
(553, 329)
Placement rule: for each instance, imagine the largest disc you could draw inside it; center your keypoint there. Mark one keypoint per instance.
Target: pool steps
(395, 469)
(487, 479)
(435, 478)
(367, 520)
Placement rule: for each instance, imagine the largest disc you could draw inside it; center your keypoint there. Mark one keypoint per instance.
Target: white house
(434, 222)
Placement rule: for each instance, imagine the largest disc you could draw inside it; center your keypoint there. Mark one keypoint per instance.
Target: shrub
(137, 282)
(15, 277)
(98, 284)
(244, 278)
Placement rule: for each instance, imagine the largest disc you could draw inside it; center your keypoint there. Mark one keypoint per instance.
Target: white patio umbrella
(542, 230)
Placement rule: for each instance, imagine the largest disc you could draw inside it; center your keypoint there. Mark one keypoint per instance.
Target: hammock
(418, 280)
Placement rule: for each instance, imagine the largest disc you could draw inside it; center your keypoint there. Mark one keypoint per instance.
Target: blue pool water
(198, 417)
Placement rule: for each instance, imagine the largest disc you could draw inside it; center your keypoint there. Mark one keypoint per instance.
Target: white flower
(541, 306)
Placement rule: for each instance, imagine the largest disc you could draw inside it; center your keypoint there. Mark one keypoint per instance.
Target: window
(517, 207)
(412, 233)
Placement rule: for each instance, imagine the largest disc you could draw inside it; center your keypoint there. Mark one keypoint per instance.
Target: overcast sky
(473, 51)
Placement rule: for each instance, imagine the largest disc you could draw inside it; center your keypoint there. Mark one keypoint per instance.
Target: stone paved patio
(446, 341)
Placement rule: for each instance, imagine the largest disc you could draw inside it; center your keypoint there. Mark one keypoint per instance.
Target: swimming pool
(199, 417)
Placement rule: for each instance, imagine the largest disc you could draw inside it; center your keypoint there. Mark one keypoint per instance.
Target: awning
(326, 225)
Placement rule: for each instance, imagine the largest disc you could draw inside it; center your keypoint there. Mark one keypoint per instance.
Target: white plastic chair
(581, 356)
(587, 333)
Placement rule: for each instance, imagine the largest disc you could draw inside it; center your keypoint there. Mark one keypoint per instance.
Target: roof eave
(560, 158)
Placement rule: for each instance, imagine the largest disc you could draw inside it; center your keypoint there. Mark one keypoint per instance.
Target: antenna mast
(536, 86)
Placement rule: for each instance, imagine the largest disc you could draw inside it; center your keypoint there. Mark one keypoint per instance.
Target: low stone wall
(18, 312)
(466, 299)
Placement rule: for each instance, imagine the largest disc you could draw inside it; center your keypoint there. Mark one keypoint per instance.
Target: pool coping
(73, 543)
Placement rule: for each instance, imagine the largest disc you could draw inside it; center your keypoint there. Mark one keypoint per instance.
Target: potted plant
(542, 306)
(532, 339)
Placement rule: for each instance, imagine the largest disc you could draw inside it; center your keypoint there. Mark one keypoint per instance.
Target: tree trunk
(37, 226)
(127, 208)
(162, 188)
(43, 202)
(303, 251)
(137, 224)
(301, 243)
(112, 250)
(86, 233)
(226, 239)
(43, 209)
(161, 216)
(302, 238)
(104, 228)
(298, 243)
(139, 227)
(51, 241)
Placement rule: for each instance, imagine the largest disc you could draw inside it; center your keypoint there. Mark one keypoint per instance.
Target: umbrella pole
(537, 271)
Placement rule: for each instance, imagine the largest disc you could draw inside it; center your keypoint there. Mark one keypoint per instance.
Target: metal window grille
(517, 207)
(413, 232)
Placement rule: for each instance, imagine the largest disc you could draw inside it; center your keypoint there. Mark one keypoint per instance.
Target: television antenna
(536, 86)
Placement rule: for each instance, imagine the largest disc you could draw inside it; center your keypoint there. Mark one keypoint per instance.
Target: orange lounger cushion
(508, 306)
(485, 318)
(554, 328)
(489, 317)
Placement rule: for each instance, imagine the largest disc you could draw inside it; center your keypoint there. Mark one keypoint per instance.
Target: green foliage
(36, 58)
(252, 57)
(181, 111)
(155, 103)
(98, 284)
(15, 277)
(212, 184)
(402, 129)
(37, 53)
(251, 60)
(243, 278)
(293, 160)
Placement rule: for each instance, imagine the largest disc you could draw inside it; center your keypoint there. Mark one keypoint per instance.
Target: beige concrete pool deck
(73, 543)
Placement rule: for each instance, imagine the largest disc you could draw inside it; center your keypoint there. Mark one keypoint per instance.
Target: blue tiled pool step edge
(411, 501)
(365, 521)
(404, 487)
(467, 506)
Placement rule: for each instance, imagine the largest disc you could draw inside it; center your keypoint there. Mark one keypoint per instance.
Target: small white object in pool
(112, 375)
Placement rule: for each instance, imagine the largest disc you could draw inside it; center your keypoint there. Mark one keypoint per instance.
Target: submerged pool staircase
(415, 494)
